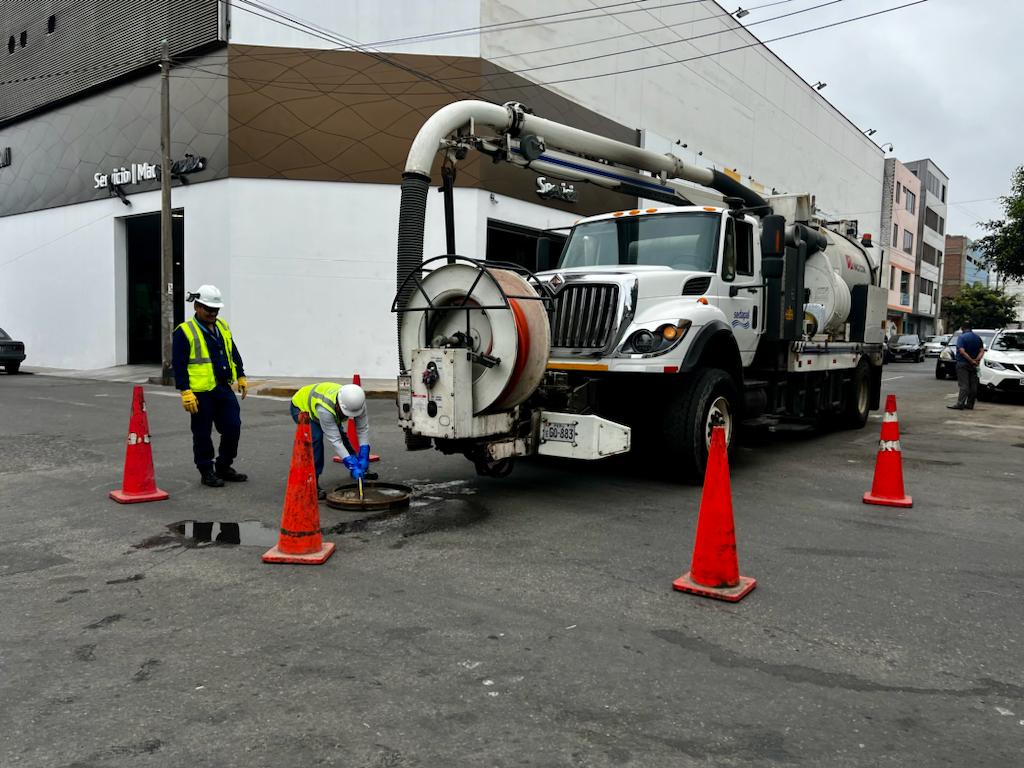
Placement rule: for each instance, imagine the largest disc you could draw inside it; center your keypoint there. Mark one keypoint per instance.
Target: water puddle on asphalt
(248, 533)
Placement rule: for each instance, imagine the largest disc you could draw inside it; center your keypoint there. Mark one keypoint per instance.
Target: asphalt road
(525, 621)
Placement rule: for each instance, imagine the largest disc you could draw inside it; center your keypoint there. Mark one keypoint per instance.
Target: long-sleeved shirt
(332, 430)
(218, 355)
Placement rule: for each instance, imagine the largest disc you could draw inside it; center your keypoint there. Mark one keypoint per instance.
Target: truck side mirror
(773, 236)
(545, 257)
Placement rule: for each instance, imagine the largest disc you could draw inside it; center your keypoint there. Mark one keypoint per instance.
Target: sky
(940, 80)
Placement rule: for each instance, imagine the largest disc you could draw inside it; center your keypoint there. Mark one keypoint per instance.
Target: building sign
(137, 173)
(5, 157)
(119, 177)
(549, 191)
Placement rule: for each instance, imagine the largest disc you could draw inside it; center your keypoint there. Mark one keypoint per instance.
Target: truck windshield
(687, 241)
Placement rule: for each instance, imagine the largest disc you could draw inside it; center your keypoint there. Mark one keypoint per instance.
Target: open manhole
(377, 496)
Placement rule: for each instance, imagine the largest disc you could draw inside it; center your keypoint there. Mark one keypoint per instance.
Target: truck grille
(584, 316)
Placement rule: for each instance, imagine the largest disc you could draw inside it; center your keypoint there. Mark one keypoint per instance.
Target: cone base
(887, 501)
(730, 594)
(123, 497)
(373, 457)
(275, 555)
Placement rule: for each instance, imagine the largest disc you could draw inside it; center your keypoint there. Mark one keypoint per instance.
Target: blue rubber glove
(354, 468)
(364, 457)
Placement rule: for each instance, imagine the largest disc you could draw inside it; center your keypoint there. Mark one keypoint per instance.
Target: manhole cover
(376, 495)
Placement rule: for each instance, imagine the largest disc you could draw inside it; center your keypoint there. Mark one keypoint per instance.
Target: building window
(897, 193)
(911, 200)
(930, 255)
(934, 221)
(892, 278)
(943, 193)
(24, 39)
(895, 235)
(908, 242)
(51, 25)
(904, 287)
(10, 45)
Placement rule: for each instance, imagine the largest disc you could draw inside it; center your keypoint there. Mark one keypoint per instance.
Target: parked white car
(1002, 367)
(933, 344)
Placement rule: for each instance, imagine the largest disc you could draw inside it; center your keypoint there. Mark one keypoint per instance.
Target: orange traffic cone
(714, 570)
(139, 483)
(887, 488)
(300, 540)
(353, 438)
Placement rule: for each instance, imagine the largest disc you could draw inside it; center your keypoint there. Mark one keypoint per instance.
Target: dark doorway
(142, 234)
(517, 244)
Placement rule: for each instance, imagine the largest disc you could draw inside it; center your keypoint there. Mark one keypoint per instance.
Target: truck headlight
(993, 364)
(650, 343)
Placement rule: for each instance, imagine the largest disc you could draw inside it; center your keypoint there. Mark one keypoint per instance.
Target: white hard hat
(352, 400)
(209, 296)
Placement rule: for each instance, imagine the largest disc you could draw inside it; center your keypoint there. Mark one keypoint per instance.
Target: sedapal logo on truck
(855, 267)
(741, 319)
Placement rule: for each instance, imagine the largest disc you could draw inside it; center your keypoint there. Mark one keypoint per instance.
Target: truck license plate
(560, 433)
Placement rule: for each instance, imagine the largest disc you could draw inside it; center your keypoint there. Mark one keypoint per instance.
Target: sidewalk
(283, 386)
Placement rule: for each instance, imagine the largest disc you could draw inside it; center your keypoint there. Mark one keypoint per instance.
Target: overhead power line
(492, 89)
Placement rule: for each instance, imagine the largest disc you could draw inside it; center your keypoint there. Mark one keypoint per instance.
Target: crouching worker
(329, 406)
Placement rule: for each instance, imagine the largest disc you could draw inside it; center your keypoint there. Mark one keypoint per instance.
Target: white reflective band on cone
(889, 445)
(889, 416)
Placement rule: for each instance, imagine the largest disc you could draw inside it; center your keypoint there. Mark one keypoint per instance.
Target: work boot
(229, 474)
(210, 478)
(955, 407)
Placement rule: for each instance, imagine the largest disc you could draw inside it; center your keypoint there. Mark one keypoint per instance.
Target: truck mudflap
(577, 436)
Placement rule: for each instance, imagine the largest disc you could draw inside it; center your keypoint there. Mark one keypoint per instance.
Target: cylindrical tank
(830, 274)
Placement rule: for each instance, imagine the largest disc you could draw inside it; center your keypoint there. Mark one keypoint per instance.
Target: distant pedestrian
(206, 363)
(969, 351)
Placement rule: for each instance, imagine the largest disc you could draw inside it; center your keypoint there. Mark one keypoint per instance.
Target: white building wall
(744, 110)
(63, 277)
(371, 24)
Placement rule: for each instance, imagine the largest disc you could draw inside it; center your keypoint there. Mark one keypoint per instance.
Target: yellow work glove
(189, 401)
(243, 386)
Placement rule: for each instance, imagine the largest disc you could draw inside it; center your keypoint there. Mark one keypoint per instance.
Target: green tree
(1003, 246)
(981, 306)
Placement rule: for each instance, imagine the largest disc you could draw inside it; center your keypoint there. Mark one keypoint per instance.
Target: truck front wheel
(707, 400)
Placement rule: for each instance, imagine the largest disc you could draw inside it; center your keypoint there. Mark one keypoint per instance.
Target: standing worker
(206, 362)
(969, 351)
(329, 405)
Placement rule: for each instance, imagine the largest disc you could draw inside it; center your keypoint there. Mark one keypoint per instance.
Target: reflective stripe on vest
(324, 394)
(201, 376)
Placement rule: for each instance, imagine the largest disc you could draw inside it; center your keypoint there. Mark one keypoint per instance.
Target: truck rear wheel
(707, 400)
(858, 398)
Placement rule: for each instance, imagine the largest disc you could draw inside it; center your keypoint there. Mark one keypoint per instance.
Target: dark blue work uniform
(218, 407)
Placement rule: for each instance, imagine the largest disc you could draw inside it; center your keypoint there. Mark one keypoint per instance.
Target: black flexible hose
(412, 214)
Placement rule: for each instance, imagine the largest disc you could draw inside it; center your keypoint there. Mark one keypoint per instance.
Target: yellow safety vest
(324, 394)
(201, 376)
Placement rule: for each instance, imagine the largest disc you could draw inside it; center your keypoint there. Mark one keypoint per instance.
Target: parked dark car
(945, 366)
(905, 347)
(11, 352)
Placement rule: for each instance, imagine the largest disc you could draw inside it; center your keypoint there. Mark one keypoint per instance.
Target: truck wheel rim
(862, 396)
(719, 415)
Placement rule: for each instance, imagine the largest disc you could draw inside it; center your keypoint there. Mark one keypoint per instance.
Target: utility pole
(166, 229)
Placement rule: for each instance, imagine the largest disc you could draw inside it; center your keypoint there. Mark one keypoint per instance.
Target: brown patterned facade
(348, 116)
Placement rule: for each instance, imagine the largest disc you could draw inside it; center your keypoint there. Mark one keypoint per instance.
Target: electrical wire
(560, 81)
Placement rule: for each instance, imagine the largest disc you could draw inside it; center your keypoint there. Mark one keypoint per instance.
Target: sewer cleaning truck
(650, 327)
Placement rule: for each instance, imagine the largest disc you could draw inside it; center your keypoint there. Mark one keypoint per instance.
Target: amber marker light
(702, 300)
